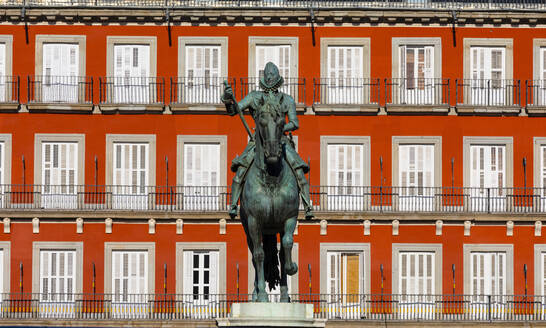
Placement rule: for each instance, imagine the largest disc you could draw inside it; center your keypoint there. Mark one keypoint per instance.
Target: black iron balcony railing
(362, 307)
(535, 94)
(60, 89)
(409, 4)
(132, 90)
(293, 86)
(417, 91)
(346, 91)
(199, 90)
(488, 92)
(361, 199)
(10, 87)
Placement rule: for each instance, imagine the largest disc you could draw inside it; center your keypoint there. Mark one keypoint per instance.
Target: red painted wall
(23, 126)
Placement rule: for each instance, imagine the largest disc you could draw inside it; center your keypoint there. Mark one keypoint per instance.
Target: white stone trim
(506, 248)
(7, 39)
(80, 40)
(184, 41)
(435, 248)
(361, 140)
(111, 139)
(6, 138)
(327, 42)
(40, 138)
(537, 44)
(221, 247)
(5, 246)
(38, 246)
(109, 247)
(507, 43)
(537, 143)
(508, 142)
(395, 55)
(435, 141)
(254, 41)
(363, 248)
(111, 41)
(538, 274)
(204, 139)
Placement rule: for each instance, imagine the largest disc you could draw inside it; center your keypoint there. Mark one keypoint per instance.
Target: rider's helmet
(271, 80)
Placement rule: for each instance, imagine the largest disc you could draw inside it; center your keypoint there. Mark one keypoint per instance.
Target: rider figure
(270, 84)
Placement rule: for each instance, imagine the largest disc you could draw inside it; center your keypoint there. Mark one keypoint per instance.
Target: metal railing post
(489, 308)
(488, 200)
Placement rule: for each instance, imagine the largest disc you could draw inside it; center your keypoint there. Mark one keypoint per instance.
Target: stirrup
(309, 213)
(233, 211)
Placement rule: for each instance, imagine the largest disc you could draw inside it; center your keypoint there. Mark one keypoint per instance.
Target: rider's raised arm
(232, 107)
(293, 123)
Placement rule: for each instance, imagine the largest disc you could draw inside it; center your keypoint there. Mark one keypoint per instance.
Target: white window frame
(220, 247)
(507, 142)
(325, 141)
(150, 41)
(255, 41)
(437, 249)
(363, 248)
(181, 140)
(5, 273)
(149, 139)
(292, 281)
(539, 168)
(5, 87)
(436, 142)
(468, 249)
(39, 246)
(5, 157)
(121, 277)
(539, 270)
(110, 247)
(40, 138)
(539, 72)
(42, 39)
(186, 41)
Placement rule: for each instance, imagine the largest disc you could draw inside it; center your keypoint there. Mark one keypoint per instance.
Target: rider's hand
(228, 92)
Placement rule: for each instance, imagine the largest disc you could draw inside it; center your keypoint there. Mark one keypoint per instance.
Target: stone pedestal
(271, 315)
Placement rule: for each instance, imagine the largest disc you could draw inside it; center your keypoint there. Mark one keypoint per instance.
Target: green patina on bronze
(269, 180)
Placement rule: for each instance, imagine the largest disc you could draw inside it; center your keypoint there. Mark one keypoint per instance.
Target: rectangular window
(59, 82)
(129, 274)
(57, 275)
(488, 75)
(345, 176)
(131, 73)
(201, 175)
(540, 93)
(130, 176)
(2, 163)
(201, 274)
(416, 176)
(345, 75)
(277, 54)
(416, 274)
(543, 169)
(543, 276)
(4, 87)
(202, 74)
(59, 174)
(488, 177)
(2, 275)
(488, 273)
(417, 74)
(345, 280)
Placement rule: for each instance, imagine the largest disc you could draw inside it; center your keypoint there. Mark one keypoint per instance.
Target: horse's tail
(271, 261)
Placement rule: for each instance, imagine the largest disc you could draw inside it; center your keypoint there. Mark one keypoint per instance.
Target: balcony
(488, 96)
(9, 93)
(302, 4)
(417, 95)
(60, 93)
(132, 94)
(198, 93)
(328, 199)
(294, 87)
(346, 95)
(32, 307)
(535, 97)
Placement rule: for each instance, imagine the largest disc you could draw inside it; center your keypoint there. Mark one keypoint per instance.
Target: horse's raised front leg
(258, 259)
(287, 242)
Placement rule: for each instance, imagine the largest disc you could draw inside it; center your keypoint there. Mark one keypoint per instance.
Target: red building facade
(423, 126)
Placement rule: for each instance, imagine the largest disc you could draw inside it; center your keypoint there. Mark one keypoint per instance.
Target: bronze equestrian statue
(270, 177)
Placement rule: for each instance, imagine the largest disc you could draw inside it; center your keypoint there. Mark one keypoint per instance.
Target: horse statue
(270, 180)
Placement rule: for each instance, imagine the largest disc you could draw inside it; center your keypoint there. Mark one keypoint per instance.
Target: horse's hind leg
(244, 221)
(287, 242)
(258, 258)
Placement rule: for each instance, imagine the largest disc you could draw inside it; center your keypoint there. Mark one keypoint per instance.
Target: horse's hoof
(291, 269)
(262, 297)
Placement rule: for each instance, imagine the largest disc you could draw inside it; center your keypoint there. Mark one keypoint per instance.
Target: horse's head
(270, 124)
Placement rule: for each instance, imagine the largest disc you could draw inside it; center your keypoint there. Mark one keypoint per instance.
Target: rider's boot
(236, 191)
(304, 192)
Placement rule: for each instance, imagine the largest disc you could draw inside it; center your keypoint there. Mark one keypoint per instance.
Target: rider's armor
(269, 83)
